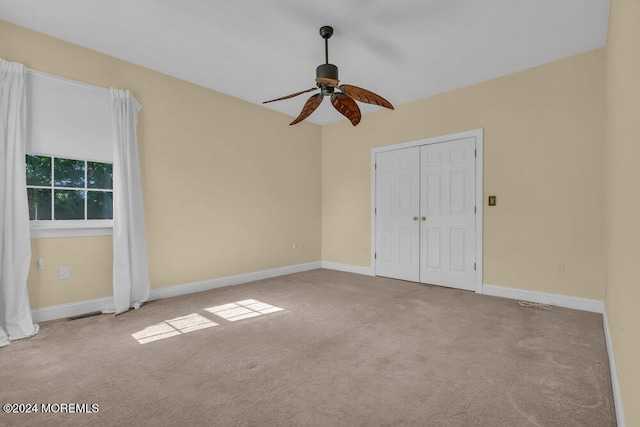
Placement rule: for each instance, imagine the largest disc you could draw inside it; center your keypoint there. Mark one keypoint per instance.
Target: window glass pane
(38, 170)
(69, 204)
(99, 175)
(39, 203)
(68, 173)
(99, 205)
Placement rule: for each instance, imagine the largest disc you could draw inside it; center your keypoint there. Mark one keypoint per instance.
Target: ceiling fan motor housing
(327, 74)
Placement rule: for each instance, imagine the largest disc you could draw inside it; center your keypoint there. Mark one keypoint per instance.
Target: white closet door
(397, 214)
(447, 211)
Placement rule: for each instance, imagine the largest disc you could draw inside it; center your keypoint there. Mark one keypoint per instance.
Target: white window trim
(71, 228)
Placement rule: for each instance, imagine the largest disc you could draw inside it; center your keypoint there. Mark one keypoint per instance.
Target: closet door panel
(447, 207)
(397, 208)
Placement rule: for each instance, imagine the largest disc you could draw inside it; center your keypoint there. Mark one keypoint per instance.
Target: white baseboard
(71, 309)
(99, 304)
(617, 399)
(205, 285)
(367, 271)
(577, 303)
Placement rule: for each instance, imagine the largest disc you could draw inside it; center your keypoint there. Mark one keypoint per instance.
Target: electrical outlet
(293, 246)
(64, 273)
(560, 268)
(40, 263)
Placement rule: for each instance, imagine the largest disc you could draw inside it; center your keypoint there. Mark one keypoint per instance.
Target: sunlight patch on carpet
(172, 327)
(244, 309)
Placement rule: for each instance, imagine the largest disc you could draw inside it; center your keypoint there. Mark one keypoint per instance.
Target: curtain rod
(70, 81)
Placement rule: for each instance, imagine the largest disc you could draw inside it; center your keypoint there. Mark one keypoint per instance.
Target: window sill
(54, 229)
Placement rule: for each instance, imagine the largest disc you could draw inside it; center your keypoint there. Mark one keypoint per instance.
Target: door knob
(424, 218)
(415, 218)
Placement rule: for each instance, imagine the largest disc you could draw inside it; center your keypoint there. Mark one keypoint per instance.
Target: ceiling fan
(342, 96)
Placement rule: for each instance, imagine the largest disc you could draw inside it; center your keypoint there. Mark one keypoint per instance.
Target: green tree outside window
(68, 189)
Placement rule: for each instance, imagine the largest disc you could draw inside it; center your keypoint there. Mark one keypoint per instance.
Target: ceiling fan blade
(364, 95)
(309, 107)
(291, 96)
(347, 107)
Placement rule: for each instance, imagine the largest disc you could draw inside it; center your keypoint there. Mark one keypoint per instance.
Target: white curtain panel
(130, 266)
(15, 245)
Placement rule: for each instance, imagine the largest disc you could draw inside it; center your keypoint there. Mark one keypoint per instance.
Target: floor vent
(535, 305)
(82, 316)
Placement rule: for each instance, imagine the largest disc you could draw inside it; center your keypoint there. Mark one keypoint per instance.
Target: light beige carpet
(344, 350)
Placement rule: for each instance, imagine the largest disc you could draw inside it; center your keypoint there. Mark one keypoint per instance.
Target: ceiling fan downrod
(326, 32)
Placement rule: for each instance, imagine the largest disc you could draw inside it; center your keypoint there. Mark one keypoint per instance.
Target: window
(69, 169)
(69, 193)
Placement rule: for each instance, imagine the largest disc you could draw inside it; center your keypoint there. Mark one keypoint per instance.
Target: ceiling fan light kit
(327, 81)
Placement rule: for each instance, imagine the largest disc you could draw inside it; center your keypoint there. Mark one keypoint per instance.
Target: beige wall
(623, 176)
(90, 260)
(223, 197)
(228, 186)
(544, 131)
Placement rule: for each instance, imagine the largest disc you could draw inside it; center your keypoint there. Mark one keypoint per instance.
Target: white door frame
(478, 135)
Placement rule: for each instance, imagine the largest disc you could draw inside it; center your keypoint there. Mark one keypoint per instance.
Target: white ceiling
(262, 49)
